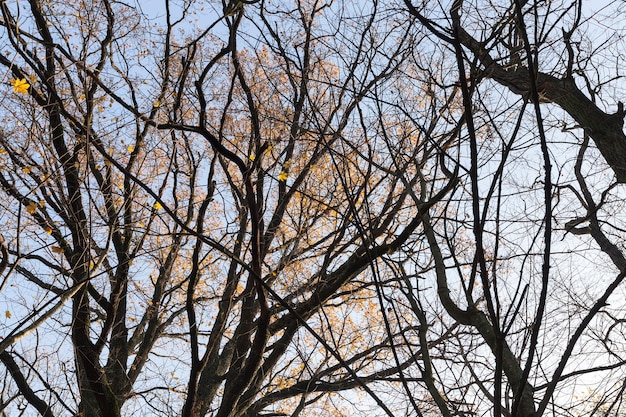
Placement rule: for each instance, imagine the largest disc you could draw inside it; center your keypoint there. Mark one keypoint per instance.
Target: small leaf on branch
(20, 86)
(31, 208)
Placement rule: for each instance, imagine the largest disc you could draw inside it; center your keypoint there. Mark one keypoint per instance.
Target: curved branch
(22, 384)
(605, 129)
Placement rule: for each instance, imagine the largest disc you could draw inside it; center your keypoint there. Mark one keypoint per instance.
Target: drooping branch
(605, 129)
(25, 389)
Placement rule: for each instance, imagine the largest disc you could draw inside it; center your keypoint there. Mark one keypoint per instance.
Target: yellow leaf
(26, 170)
(8, 314)
(252, 157)
(282, 176)
(157, 206)
(56, 249)
(20, 86)
(130, 148)
(31, 207)
(48, 230)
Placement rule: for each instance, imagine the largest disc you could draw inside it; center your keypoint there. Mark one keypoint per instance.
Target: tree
(189, 206)
(309, 208)
(538, 205)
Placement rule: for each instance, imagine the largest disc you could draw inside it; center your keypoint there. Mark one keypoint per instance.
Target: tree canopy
(259, 208)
